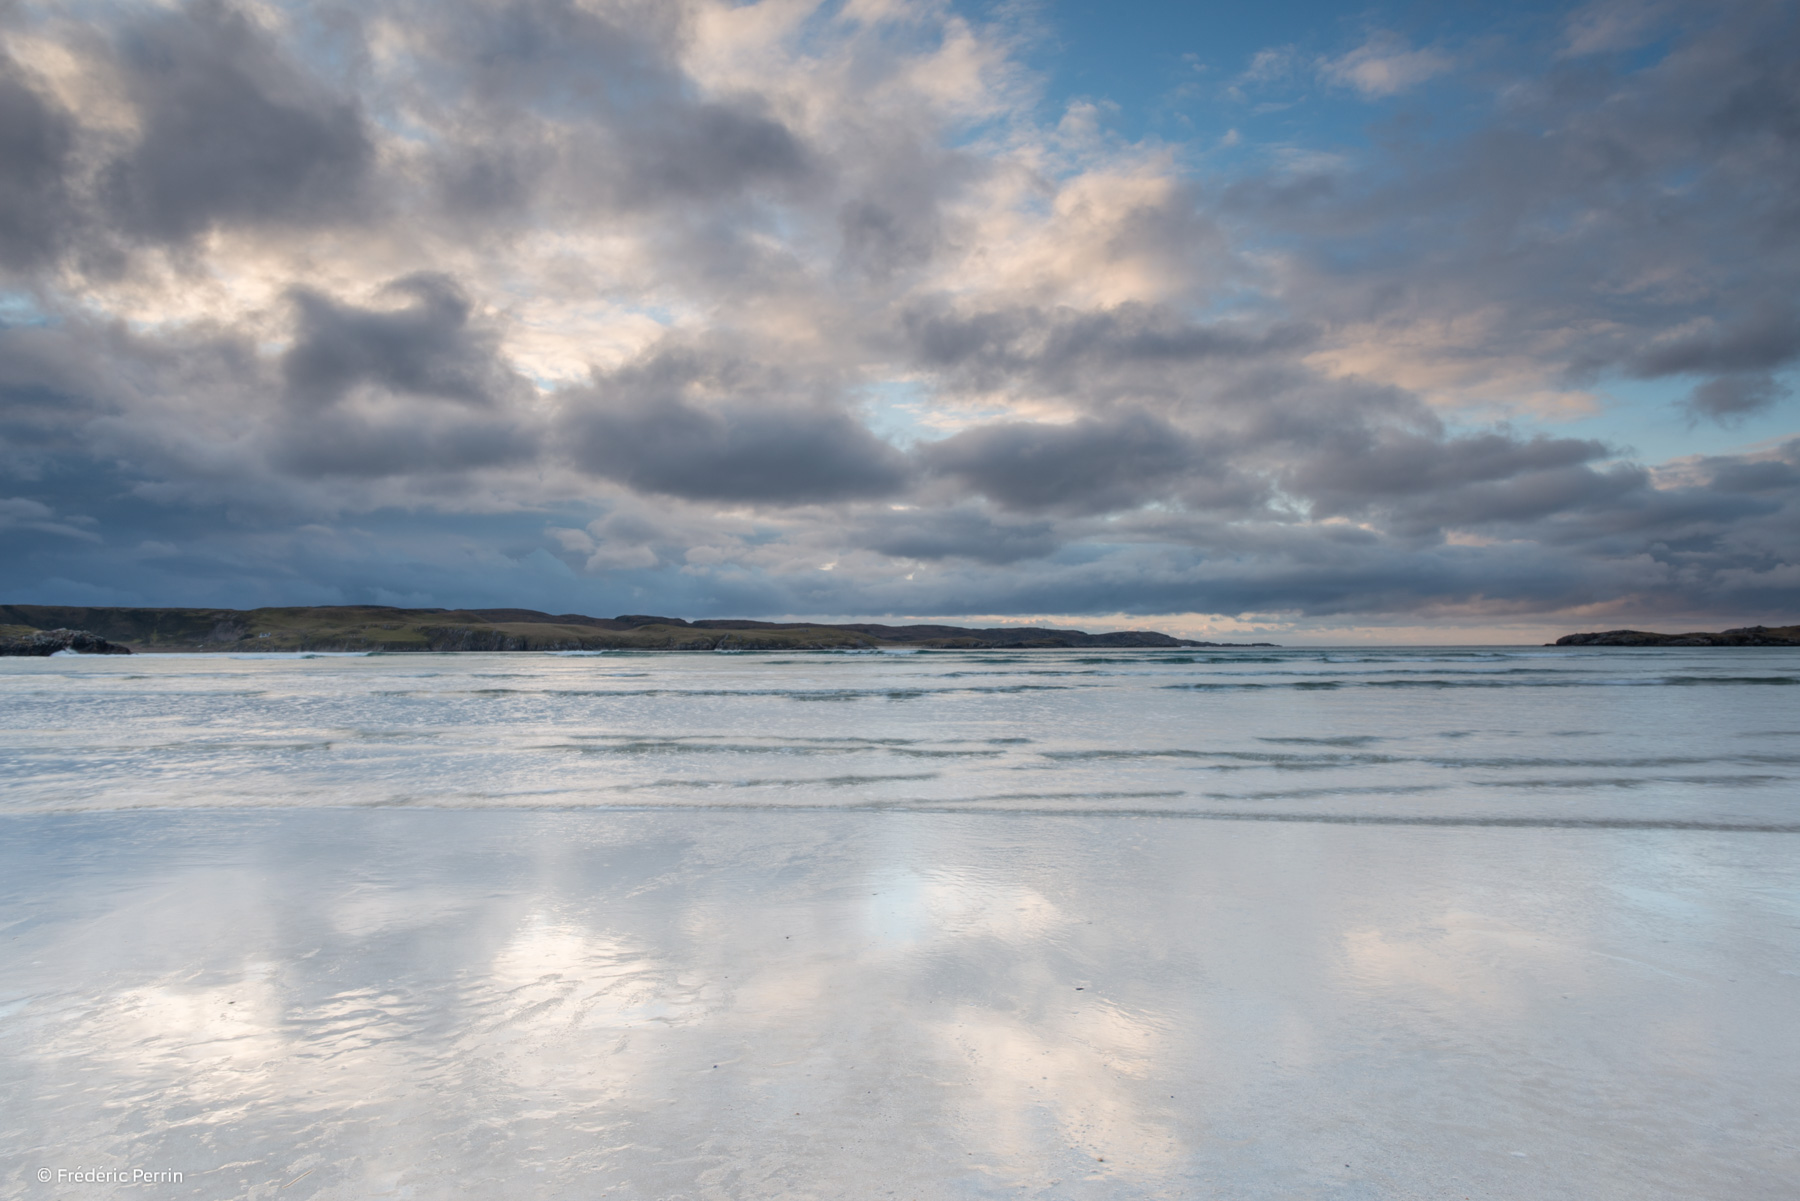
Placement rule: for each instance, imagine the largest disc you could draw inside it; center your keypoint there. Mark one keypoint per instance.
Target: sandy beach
(716, 1005)
(705, 994)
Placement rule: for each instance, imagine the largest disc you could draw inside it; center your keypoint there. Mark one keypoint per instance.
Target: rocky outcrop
(1746, 636)
(48, 642)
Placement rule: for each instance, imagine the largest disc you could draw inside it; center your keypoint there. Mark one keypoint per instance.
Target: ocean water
(1298, 923)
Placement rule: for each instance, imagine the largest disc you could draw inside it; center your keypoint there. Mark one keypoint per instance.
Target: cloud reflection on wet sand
(358, 1003)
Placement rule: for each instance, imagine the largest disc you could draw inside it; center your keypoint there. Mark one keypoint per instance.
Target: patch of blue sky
(1228, 81)
(1645, 421)
(20, 310)
(905, 412)
(403, 124)
(763, 535)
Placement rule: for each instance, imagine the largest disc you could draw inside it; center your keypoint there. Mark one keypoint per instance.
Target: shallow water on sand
(1709, 737)
(1333, 924)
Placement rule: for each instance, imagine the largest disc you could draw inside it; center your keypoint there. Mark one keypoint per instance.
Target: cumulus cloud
(1731, 397)
(959, 532)
(1085, 466)
(791, 308)
(229, 128)
(1385, 65)
(712, 426)
(36, 142)
(426, 347)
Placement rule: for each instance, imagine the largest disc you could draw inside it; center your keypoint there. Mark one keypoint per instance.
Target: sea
(1337, 923)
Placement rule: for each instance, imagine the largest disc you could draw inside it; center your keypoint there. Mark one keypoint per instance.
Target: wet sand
(691, 1004)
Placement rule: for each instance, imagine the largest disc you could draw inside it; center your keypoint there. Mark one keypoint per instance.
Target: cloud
(420, 388)
(48, 384)
(1605, 220)
(230, 128)
(1394, 464)
(36, 144)
(22, 513)
(1093, 352)
(1384, 66)
(427, 347)
(581, 109)
(708, 425)
(1766, 336)
(616, 306)
(962, 532)
(1733, 397)
(1085, 466)
(1605, 26)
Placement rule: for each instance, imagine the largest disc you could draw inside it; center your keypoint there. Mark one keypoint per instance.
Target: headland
(1746, 636)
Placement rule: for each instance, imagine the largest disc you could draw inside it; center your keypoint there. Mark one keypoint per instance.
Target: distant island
(1747, 636)
(45, 629)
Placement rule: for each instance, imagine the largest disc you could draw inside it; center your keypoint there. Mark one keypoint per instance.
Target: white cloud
(1385, 65)
(1610, 25)
(21, 513)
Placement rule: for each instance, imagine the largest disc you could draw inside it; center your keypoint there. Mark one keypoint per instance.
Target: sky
(1406, 322)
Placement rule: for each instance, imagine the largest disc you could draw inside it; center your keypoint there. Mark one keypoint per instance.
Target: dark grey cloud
(365, 388)
(1126, 351)
(1085, 466)
(882, 238)
(204, 416)
(95, 408)
(1768, 475)
(708, 150)
(1468, 480)
(484, 179)
(555, 57)
(1766, 337)
(231, 129)
(95, 416)
(962, 532)
(712, 426)
(48, 383)
(1732, 397)
(37, 141)
(1721, 542)
(425, 446)
(563, 107)
(427, 347)
(780, 456)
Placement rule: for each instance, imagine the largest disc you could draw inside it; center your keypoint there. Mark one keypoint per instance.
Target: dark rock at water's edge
(48, 642)
(1747, 636)
(381, 628)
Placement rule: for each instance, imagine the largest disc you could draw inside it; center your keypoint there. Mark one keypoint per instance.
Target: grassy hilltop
(378, 628)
